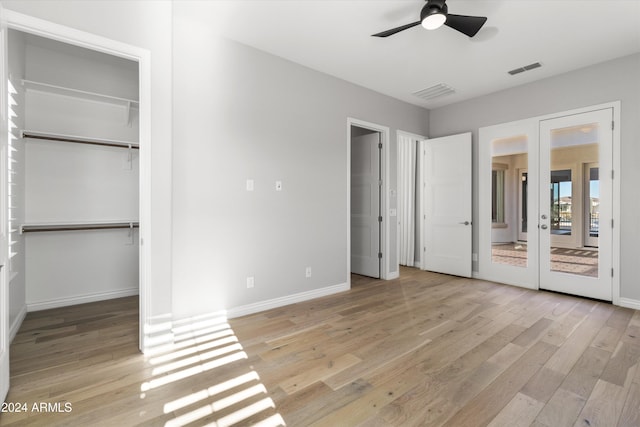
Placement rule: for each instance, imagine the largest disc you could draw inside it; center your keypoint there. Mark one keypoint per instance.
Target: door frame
(530, 126)
(50, 30)
(385, 272)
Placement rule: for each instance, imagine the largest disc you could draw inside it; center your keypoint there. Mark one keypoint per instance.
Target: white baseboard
(17, 322)
(80, 299)
(393, 275)
(629, 303)
(286, 300)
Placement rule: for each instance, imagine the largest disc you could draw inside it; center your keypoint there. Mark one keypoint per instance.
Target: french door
(574, 197)
(546, 219)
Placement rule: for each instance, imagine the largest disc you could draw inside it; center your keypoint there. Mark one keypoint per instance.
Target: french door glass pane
(573, 192)
(509, 156)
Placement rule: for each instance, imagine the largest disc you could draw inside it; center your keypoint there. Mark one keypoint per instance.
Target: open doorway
(366, 196)
(371, 225)
(73, 187)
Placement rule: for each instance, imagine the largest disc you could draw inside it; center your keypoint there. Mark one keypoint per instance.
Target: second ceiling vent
(525, 68)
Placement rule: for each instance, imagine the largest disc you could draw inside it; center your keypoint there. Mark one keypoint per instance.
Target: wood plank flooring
(423, 350)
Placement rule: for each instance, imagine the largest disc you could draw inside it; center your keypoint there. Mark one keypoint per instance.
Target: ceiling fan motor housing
(433, 7)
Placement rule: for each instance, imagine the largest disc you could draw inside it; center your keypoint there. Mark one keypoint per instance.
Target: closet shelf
(28, 228)
(78, 139)
(77, 93)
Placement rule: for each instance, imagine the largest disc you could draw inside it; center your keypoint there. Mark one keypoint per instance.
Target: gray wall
(610, 81)
(241, 113)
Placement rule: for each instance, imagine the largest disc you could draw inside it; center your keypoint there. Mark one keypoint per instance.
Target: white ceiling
(334, 37)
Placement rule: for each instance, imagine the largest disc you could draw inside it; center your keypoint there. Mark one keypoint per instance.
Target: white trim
(394, 275)
(615, 212)
(50, 30)
(386, 174)
(244, 310)
(80, 299)
(629, 303)
(17, 322)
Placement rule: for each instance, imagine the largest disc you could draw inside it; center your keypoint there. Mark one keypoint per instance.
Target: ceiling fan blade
(396, 30)
(468, 25)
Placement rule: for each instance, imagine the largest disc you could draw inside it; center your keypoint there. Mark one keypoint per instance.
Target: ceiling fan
(434, 14)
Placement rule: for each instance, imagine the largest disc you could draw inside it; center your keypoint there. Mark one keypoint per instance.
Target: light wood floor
(423, 350)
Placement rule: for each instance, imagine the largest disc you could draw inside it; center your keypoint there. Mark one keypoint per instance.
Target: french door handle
(543, 226)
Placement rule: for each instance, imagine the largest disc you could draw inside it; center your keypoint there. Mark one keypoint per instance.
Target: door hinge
(611, 173)
(380, 219)
(379, 183)
(611, 222)
(379, 255)
(612, 272)
(612, 125)
(380, 145)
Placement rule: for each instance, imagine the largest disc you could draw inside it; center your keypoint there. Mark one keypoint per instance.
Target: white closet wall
(68, 183)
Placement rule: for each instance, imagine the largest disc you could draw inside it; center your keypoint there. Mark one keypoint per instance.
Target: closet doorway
(74, 182)
(547, 211)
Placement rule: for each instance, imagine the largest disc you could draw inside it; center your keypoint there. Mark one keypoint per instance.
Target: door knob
(543, 226)
(465, 223)
(543, 216)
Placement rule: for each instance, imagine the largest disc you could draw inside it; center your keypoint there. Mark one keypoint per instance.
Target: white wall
(241, 113)
(609, 81)
(146, 24)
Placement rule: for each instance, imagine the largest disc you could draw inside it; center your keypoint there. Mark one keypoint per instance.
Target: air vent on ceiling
(436, 91)
(525, 68)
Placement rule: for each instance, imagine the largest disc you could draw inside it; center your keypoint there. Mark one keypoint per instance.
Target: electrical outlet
(250, 282)
(307, 273)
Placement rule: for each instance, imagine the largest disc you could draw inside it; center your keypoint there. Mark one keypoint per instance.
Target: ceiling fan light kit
(433, 17)
(434, 14)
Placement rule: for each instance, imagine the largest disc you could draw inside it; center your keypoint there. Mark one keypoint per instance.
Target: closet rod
(62, 138)
(76, 227)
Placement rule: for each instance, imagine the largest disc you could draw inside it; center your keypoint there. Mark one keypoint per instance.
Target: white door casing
(447, 205)
(365, 204)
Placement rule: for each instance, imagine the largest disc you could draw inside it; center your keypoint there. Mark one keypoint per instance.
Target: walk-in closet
(73, 184)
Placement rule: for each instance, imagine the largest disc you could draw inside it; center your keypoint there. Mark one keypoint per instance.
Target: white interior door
(4, 291)
(365, 204)
(569, 147)
(447, 205)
